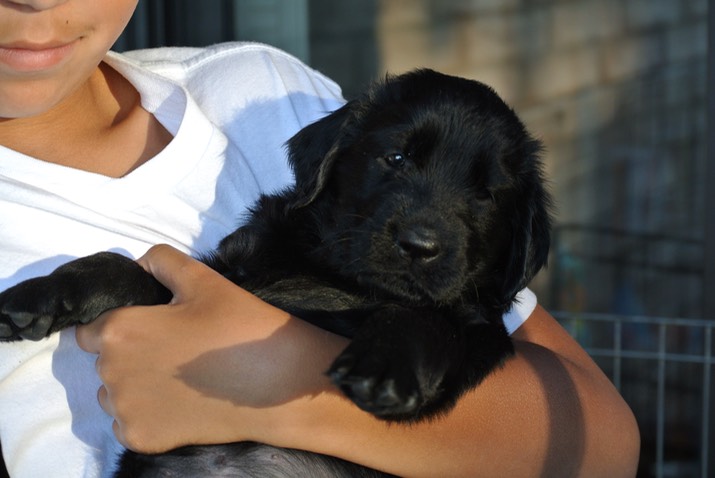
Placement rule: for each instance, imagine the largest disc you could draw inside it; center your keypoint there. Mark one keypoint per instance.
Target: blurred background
(618, 90)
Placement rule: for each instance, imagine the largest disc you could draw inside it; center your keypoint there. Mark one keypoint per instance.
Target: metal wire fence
(663, 367)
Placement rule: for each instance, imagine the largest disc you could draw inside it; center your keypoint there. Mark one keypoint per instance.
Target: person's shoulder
(156, 58)
(248, 61)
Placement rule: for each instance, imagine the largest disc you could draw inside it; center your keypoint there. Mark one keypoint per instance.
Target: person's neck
(100, 128)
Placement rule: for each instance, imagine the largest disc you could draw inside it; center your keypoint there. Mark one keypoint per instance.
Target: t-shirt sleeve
(523, 306)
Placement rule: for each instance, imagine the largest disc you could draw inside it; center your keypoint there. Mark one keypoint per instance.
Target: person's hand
(199, 369)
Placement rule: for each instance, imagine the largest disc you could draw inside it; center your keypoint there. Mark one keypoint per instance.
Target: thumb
(174, 269)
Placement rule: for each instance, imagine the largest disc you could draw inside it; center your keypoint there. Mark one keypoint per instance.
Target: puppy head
(427, 188)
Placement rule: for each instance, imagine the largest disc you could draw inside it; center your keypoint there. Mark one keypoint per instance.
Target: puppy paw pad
(20, 319)
(38, 329)
(5, 331)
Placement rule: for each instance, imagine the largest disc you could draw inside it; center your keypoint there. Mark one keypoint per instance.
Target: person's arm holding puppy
(231, 367)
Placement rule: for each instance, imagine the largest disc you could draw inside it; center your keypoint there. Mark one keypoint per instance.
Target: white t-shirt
(230, 108)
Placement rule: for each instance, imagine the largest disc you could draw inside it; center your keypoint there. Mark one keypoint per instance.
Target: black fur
(419, 211)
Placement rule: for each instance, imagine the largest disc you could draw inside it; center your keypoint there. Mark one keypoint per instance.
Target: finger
(174, 269)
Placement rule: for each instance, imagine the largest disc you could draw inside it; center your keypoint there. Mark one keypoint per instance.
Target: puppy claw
(388, 396)
(341, 368)
(361, 389)
(383, 400)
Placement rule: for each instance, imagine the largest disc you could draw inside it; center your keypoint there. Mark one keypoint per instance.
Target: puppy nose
(418, 243)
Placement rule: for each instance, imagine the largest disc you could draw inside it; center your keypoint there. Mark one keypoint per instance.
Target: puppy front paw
(379, 382)
(30, 309)
(75, 293)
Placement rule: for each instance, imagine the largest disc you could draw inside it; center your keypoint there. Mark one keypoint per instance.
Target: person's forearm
(541, 415)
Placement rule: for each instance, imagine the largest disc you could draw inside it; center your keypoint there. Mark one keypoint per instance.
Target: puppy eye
(396, 160)
(484, 194)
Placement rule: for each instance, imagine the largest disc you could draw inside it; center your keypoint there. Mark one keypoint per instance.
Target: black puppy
(419, 211)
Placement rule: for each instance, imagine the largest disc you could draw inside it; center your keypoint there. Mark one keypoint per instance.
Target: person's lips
(26, 57)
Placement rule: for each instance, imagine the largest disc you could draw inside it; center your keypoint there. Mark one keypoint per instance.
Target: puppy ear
(531, 238)
(313, 150)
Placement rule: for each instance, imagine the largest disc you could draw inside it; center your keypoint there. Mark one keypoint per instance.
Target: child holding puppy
(101, 151)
